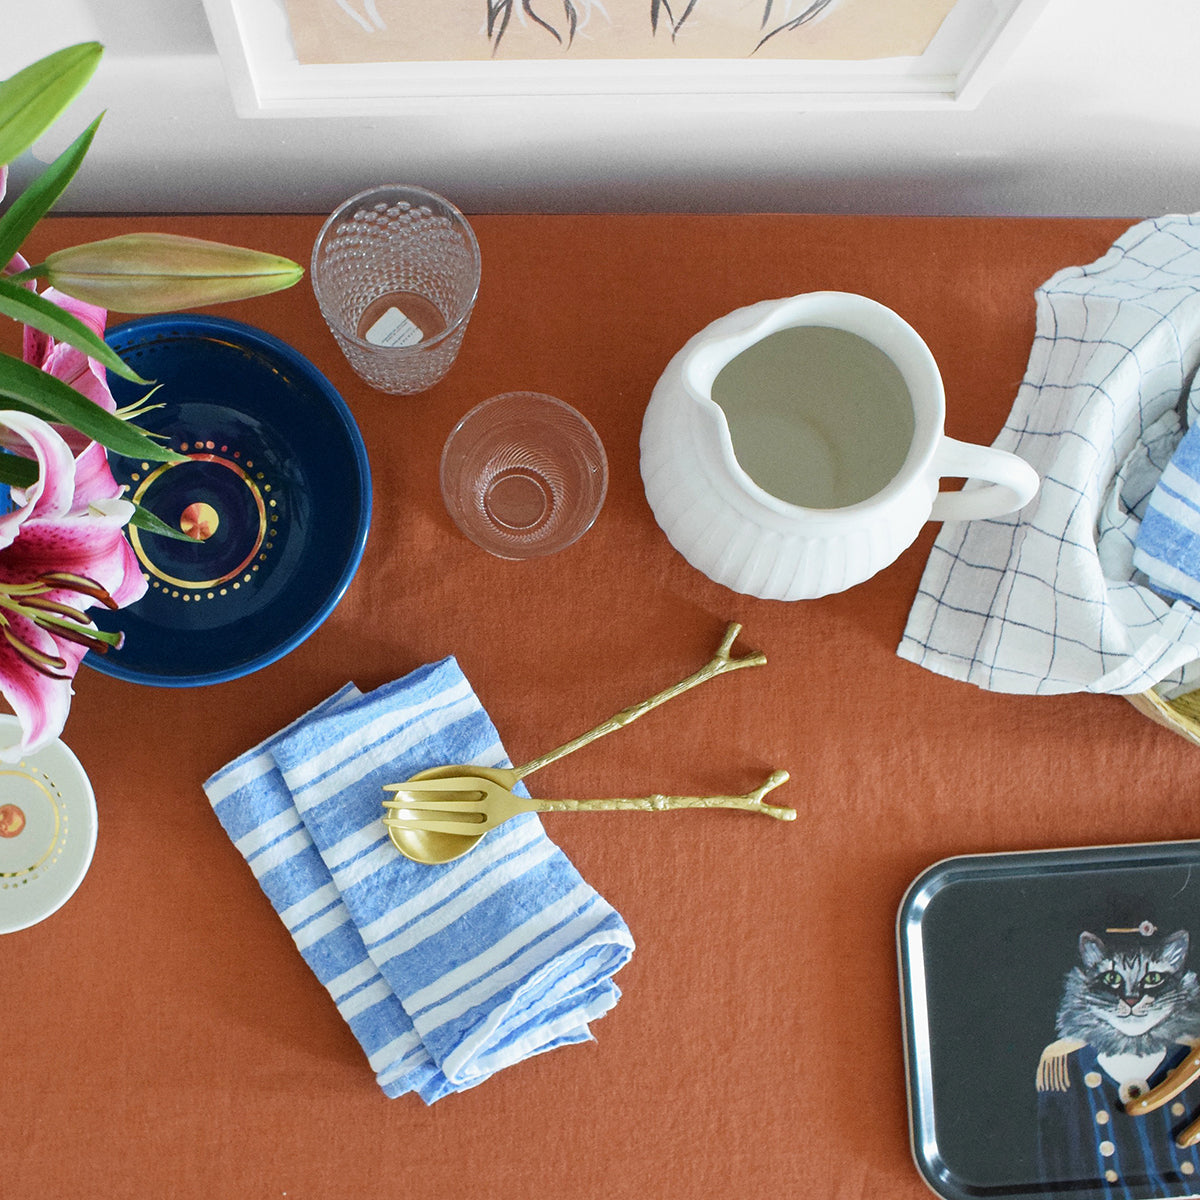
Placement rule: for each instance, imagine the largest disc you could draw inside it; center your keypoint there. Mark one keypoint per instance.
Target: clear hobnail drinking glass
(523, 475)
(395, 271)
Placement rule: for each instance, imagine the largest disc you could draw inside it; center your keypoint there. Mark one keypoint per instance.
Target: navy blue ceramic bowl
(275, 494)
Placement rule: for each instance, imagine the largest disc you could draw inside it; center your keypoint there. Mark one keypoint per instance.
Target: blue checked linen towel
(445, 974)
(1049, 599)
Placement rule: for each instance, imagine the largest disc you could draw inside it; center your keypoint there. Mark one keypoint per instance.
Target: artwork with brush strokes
(358, 31)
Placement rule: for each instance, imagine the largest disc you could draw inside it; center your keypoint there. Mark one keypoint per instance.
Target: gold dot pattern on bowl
(200, 521)
(33, 824)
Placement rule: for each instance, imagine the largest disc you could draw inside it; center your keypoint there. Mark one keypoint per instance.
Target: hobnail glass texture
(524, 475)
(388, 240)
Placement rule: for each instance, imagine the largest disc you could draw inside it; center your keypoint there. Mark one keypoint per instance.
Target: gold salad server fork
(429, 845)
(445, 806)
(1182, 1076)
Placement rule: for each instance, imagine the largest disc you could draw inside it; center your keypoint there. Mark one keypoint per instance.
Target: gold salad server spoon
(437, 846)
(447, 807)
(1185, 1074)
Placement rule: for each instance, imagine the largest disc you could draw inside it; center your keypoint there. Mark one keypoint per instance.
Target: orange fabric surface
(162, 1036)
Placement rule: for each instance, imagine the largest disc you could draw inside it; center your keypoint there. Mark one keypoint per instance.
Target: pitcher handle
(1011, 481)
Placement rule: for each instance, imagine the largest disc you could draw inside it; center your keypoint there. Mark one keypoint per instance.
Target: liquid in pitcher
(819, 417)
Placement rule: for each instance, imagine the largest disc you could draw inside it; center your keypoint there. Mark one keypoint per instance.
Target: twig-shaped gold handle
(719, 665)
(751, 802)
(1179, 1078)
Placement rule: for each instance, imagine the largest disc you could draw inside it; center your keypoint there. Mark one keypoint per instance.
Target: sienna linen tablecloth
(1048, 600)
(445, 974)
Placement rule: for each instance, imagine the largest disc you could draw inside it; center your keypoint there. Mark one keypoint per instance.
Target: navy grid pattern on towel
(444, 974)
(1047, 600)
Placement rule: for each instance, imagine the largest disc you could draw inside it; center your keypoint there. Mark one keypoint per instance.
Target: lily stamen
(31, 601)
(99, 640)
(79, 583)
(54, 606)
(46, 664)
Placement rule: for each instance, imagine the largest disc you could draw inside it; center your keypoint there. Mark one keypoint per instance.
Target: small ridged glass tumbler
(523, 475)
(395, 271)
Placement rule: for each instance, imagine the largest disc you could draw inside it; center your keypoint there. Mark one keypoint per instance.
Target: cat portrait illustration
(1129, 1011)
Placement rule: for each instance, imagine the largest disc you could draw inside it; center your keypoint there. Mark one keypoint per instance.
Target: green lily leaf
(147, 522)
(26, 389)
(17, 471)
(30, 309)
(38, 198)
(162, 272)
(32, 99)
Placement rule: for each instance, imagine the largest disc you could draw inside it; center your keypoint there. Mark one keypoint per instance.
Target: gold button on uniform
(1186, 1168)
(1107, 1149)
(1092, 1079)
(1102, 1117)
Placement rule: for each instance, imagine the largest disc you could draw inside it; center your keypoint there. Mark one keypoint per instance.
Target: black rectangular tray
(988, 945)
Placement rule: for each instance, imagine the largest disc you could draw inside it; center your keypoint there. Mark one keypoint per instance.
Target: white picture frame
(253, 38)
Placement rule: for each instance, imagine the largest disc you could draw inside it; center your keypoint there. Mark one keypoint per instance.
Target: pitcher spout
(713, 349)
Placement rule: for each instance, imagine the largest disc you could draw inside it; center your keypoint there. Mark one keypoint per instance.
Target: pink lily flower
(63, 361)
(62, 547)
(62, 550)
(72, 366)
(86, 376)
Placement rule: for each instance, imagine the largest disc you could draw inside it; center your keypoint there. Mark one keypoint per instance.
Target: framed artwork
(379, 57)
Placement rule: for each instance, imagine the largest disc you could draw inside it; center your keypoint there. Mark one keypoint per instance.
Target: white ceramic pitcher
(793, 448)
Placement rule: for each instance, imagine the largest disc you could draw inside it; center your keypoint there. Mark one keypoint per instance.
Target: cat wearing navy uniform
(1129, 1012)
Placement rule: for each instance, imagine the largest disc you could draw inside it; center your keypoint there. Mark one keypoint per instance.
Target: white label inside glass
(394, 329)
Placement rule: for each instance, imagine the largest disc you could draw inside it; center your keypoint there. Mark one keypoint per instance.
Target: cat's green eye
(1152, 979)
(1111, 979)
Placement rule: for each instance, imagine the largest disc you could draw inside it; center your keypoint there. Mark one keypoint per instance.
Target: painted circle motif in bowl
(274, 495)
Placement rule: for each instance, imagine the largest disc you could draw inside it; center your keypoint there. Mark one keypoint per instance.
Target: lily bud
(162, 272)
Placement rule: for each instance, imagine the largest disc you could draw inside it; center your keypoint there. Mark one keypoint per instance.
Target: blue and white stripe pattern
(445, 974)
(1048, 600)
(1167, 546)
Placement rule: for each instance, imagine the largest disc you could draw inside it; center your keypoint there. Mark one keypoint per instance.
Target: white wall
(1095, 113)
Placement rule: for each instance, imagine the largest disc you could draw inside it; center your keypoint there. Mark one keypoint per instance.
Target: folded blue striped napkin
(445, 974)
(1167, 544)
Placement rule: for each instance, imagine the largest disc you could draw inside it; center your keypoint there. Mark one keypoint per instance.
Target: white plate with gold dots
(47, 830)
